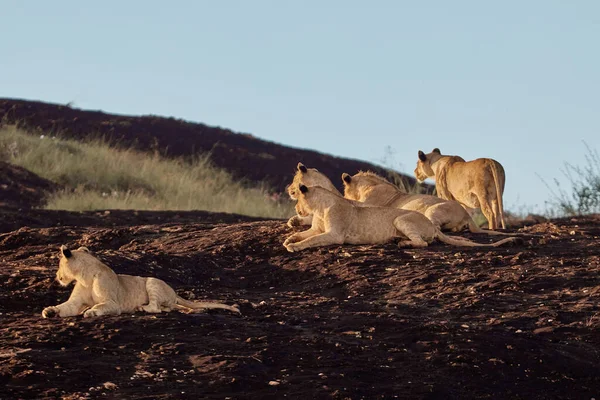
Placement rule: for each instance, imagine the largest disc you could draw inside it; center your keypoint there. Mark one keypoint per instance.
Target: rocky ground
(342, 322)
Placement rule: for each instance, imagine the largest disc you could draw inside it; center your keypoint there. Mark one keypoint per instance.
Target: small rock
(545, 329)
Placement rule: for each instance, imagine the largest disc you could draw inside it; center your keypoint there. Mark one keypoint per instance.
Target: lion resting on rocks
(367, 189)
(474, 184)
(100, 291)
(375, 190)
(336, 221)
(308, 177)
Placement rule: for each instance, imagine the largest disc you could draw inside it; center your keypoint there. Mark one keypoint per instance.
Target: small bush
(97, 175)
(584, 194)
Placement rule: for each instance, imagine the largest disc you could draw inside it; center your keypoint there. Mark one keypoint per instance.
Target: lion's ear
(436, 150)
(83, 248)
(346, 178)
(65, 252)
(302, 168)
(303, 189)
(422, 156)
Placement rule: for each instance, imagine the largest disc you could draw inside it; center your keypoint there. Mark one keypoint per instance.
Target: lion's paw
(294, 222)
(291, 247)
(50, 312)
(405, 244)
(90, 313)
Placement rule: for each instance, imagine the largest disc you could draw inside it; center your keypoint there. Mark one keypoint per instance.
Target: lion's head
(70, 261)
(314, 198)
(423, 169)
(361, 185)
(308, 177)
(350, 187)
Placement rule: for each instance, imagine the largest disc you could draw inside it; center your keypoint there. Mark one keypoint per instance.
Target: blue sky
(518, 81)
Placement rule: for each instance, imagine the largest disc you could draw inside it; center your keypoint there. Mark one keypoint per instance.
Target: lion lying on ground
(474, 184)
(374, 190)
(100, 291)
(336, 221)
(307, 177)
(368, 189)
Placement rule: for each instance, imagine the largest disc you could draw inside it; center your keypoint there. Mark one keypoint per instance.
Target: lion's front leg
(297, 220)
(65, 309)
(77, 302)
(299, 236)
(322, 239)
(106, 308)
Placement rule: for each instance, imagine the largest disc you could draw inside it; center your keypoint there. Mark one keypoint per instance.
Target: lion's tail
(474, 228)
(460, 241)
(499, 191)
(199, 305)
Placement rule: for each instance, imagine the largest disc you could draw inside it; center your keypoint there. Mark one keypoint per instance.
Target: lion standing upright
(474, 184)
(374, 190)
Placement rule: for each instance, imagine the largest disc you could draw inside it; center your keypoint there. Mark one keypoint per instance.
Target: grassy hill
(244, 156)
(94, 174)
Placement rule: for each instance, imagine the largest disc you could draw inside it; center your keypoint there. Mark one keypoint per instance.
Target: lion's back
(464, 177)
(419, 202)
(133, 292)
(375, 224)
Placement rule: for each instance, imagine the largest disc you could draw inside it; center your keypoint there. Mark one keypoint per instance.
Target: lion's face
(292, 191)
(68, 261)
(64, 275)
(423, 169)
(308, 177)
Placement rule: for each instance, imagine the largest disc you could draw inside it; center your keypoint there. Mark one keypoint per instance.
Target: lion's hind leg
(161, 297)
(107, 308)
(449, 216)
(409, 230)
(489, 213)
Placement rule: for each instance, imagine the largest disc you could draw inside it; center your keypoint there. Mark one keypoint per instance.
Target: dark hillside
(243, 155)
(20, 188)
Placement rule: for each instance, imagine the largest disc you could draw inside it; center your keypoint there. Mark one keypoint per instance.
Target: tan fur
(474, 184)
(337, 220)
(375, 190)
(100, 291)
(308, 177)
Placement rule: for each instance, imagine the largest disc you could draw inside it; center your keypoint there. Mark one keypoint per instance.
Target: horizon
(514, 82)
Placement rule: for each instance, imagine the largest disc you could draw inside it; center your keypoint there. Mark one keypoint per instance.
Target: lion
(373, 189)
(337, 220)
(100, 291)
(308, 177)
(474, 184)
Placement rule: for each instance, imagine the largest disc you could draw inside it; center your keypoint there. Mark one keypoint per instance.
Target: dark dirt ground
(20, 188)
(342, 322)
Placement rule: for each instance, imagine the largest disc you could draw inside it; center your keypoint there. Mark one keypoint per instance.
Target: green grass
(96, 175)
